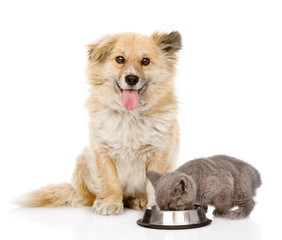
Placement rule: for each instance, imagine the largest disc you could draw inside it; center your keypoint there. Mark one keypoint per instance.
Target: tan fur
(123, 144)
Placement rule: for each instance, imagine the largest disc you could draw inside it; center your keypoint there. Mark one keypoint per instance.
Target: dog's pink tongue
(130, 99)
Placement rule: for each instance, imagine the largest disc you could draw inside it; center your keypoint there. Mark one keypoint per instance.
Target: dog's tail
(64, 194)
(50, 196)
(56, 196)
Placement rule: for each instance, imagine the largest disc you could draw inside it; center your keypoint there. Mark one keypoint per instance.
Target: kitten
(221, 181)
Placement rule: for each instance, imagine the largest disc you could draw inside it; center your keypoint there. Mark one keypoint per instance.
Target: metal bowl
(159, 219)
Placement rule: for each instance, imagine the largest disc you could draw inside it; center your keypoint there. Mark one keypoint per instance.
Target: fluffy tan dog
(133, 125)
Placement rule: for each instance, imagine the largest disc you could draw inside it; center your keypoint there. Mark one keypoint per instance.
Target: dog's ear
(153, 177)
(168, 42)
(101, 49)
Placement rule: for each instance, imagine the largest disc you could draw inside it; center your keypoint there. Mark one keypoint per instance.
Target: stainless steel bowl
(156, 218)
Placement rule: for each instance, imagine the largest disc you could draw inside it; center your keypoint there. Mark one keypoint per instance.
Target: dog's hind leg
(81, 176)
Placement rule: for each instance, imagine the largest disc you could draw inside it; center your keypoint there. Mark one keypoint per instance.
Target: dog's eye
(145, 61)
(120, 60)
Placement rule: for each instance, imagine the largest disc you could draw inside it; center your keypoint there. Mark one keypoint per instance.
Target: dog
(133, 125)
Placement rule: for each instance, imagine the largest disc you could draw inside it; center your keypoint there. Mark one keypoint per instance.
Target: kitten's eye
(120, 60)
(145, 61)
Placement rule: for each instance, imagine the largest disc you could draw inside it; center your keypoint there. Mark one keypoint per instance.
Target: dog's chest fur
(130, 139)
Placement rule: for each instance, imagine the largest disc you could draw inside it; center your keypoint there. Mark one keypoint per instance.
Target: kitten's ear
(100, 50)
(168, 42)
(180, 186)
(153, 177)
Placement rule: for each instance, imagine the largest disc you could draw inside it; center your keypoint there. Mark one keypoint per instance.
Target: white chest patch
(132, 177)
(129, 139)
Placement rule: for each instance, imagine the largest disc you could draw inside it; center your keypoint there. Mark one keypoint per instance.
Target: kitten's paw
(136, 203)
(219, 213)
(104, 207)
(237, 214)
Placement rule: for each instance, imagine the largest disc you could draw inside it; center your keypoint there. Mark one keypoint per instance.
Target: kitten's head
(173, 191)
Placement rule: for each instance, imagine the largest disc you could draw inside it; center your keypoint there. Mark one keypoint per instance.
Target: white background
(228, 85)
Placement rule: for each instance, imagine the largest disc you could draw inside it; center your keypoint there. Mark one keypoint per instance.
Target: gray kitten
(221, 181)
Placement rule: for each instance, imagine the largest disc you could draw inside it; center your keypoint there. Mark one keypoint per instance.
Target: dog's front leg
(150, 194)
(161, 164)
(110, 193)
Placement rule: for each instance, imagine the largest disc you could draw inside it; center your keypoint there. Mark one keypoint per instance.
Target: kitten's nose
(131, 80)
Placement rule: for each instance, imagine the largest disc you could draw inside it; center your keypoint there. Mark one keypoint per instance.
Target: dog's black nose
(131, 80)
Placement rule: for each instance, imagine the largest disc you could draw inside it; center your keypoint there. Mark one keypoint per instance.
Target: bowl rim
(157, 209)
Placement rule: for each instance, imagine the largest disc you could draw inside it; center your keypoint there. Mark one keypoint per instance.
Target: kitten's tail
(50, 196)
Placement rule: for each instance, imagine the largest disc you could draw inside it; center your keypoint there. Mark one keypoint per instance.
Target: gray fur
(221, 181)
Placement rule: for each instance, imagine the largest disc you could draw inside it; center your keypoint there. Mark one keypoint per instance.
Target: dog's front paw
(105, 207)
(136, 203)
(151, 204)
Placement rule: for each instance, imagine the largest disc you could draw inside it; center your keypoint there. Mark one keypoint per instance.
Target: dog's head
(130, 68)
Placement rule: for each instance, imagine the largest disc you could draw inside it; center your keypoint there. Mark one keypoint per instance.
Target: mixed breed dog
(134, 140)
